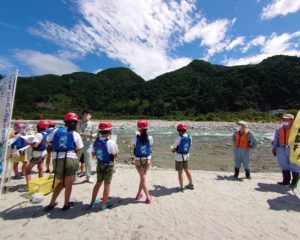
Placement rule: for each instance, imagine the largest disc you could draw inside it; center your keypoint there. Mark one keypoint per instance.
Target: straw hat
(242, 123)
(288, 116)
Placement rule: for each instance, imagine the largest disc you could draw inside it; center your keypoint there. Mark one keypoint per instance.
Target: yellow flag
(294, 141)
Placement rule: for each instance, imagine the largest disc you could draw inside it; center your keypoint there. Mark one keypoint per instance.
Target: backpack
(184, 145)
(142, 150)
(102, 154)
(63, 141)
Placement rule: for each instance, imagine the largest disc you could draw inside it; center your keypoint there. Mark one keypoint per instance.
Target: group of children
(66, 144)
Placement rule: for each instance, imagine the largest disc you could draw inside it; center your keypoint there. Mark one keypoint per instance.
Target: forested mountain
(198, 88)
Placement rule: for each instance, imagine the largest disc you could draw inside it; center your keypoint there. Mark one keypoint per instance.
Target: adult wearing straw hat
(282, 151)
(243, 140)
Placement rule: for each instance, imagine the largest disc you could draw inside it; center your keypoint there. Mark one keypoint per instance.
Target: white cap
(288, 116)
(242, 123)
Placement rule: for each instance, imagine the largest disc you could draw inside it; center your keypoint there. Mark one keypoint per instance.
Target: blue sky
(150, 37)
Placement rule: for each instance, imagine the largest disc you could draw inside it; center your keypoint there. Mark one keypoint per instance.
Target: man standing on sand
(243, 139)
(282, 151)
(86, 130)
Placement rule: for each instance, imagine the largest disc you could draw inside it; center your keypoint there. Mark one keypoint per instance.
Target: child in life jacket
(142, 155)
(49, 130)
(66, 144)
(17, 153)
(105, 150)
(181, 146)
(39, 152)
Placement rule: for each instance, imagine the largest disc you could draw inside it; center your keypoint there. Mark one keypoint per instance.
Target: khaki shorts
(37, 160)
(104, 173)
(21, 158)
(71, 167)
(181, 165)
(142, 163)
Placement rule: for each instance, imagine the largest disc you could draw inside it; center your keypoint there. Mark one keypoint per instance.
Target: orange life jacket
(241, 141)
(284, 135)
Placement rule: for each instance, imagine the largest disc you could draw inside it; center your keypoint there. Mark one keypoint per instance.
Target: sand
(218, 208)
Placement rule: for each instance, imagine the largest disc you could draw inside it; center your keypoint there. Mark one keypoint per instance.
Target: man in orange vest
(243, 139)
(282, 151)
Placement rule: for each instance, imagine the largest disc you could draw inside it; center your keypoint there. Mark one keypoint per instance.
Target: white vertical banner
(7, 95)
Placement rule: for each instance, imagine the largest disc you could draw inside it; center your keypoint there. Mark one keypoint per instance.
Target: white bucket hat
(288, 116)
(242, 123)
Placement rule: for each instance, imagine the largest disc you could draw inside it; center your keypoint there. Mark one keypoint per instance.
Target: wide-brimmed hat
(288, 116)
(242, 123)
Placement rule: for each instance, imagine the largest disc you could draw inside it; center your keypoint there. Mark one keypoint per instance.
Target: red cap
(19, 125)
(52, 123)
(43, 124)
(142, 124)
(181, 126)
(71, 117)
(105, 126)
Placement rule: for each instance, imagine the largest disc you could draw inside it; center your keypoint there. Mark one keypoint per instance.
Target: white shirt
(133, 142)
(178, 156)
(70, 154)
(112, 147)
(38, 138)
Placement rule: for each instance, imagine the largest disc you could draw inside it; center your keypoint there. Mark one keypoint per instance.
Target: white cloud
(141, 34)
(211, 35)
(258, 41)
(236, 42)
(40, 63)
(280, 7)
(285, 44)
(5, 65)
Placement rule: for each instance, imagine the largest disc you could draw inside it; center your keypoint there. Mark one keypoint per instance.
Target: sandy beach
(218, 208)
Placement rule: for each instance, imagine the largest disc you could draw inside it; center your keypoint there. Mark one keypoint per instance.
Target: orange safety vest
(284, 135)
(241, 141)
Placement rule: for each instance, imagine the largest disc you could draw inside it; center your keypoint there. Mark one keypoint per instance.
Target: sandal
(70, 204)
(49, 207)
(189, 186)
(179, 189)
(106, 205)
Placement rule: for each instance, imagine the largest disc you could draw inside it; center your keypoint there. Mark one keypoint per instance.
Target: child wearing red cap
(105, 150)
(181, 146)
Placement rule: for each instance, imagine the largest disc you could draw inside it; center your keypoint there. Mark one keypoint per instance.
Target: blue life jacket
(42, 146)
(20, 142)
(142, 150)
(63, 141)
(102, 154)
(49, 130)
(184, 145)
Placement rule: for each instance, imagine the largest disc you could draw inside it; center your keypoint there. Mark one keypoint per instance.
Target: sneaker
(189, 186)
(70, 205)
(49, 207)
(179, 189)
(139, 196)
(18, 177)
(106, 206)
(149, 200)
(48, 171)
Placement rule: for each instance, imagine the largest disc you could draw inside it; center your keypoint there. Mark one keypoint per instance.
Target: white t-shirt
(70, 154)
(133, 142)
(112, 147)
(38, 138)
(178, 156)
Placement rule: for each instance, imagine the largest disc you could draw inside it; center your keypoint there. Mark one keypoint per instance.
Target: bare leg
(105, 194)
(95, 191)
(143, 181)
(16, 171)
(189, 176)
(56, 192)
(48, 159)
(40, 169)
(24, 166)
(68, 189)
(180, 178)
(28, 172)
